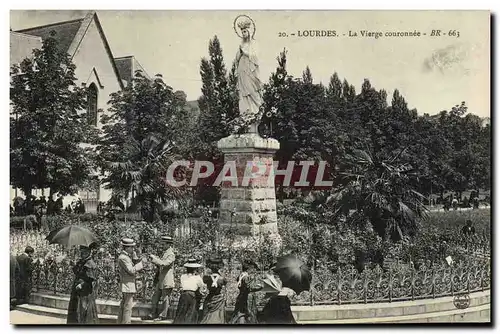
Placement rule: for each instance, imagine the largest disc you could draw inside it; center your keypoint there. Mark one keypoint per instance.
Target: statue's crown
(244, 24)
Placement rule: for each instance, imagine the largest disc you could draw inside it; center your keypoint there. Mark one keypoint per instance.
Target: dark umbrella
(71, 235)
(293, 273)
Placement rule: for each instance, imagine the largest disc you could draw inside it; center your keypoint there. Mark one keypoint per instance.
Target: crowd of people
(202, 299)
(456, 201)
(35, 210)
(203, 295)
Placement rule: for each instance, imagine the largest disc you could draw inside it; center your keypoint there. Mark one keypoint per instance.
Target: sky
(432, 73)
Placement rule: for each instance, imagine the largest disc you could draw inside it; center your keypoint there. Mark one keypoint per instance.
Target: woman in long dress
(278, 309)
(214, 306)
(249, 84)
(191, 285)
(245, 308)
(82, 308)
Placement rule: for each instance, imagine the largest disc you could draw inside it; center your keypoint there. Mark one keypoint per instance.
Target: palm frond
(363, 157)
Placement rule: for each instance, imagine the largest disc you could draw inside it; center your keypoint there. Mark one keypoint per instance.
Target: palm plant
(380, 192)
(141, 175)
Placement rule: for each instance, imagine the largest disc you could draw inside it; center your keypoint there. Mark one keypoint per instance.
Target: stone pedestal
(250, 206)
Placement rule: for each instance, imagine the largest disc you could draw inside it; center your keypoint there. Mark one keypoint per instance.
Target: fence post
(481, 280)
(38, 270)
(55, 277)
(390, 284)
(365, 288)
(451, 283)
(412, 284)
(311, 297)
(433, 283)
(468, 279)
(144, 287)
(339, 287)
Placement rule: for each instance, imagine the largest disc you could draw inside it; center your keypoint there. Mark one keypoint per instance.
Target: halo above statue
(244, 21)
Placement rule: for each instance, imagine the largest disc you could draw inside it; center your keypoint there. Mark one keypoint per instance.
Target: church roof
(69, 34)
(65, 32)
(127, 66)
(22, 46)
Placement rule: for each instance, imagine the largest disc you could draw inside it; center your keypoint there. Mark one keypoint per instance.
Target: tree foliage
(218, 111)
(138, 144)
(383, 157)
(50, 135)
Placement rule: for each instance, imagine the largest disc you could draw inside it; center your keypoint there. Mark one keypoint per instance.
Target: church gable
(91, 53)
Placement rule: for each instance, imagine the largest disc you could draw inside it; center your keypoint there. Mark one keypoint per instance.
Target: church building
(96, 67)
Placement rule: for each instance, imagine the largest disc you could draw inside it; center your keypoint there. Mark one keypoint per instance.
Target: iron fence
(340, 287)
(53, 273)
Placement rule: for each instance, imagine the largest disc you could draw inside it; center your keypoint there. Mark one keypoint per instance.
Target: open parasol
(293, 273)
(71, 235)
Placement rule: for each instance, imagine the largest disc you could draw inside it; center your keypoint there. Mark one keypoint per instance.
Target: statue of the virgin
(249, 84)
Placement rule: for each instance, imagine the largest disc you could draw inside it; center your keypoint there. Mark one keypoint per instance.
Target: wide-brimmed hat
(167, 239)
(127, 242)
(192, 263)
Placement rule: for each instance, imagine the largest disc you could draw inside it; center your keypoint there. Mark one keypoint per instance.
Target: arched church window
(92, 104)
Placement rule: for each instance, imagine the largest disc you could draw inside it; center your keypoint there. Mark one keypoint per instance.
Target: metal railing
(340, 287)
(53, 273)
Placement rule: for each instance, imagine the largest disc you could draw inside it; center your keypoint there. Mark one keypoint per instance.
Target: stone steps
(423, 310)
(378, 310)
(472, 314)
(103, 318)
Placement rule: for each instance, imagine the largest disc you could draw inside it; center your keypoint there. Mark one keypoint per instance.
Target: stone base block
(249, 207)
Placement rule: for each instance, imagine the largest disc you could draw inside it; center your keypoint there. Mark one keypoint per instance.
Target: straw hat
(167, 239)
(127, 242)
(192, 263)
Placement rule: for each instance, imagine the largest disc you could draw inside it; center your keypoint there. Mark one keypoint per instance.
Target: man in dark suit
(23, 287)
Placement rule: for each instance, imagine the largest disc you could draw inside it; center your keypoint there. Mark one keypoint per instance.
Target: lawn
(452, 221)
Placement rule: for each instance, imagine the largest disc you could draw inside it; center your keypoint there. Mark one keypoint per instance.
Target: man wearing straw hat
(127, 271)
(164, 279)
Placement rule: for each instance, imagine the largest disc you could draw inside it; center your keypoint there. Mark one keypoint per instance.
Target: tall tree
(138, 145)
(48, 124)
(218, 110)
(218, 106)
